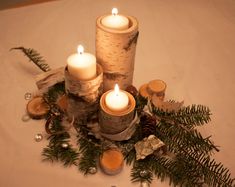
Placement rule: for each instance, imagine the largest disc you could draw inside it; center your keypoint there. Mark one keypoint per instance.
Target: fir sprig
(213, 173)
(90, 153)
(140, 166)
(55, 150)
(67, 156)
(176, 137)
(190, 116)
(35, 57)
(54, 92)
(89, 147)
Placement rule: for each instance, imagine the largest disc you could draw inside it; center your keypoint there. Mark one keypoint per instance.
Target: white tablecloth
(190, 44)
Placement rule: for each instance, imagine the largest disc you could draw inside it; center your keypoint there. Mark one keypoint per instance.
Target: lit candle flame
(116, 90)
(114, 11)
(80, 49)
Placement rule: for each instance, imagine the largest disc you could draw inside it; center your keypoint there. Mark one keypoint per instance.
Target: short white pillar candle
(82, 65)
(117, 100)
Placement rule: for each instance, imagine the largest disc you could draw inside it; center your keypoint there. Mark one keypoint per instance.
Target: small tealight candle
(82, 65)
(117, 100)
(115, 21)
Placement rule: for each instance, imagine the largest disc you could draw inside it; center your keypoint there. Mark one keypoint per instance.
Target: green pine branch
(130, 157)
(90, 153)
(213, 173)
(190, 116)
(35, 57)
(176, 137)
(54, 150)
(54, 92)
(140, 166)
(67, 156)
(89, 147)
(128, 148)
(141, 102)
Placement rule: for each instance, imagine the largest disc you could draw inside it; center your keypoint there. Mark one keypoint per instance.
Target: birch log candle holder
(83, 95)
(114, 122)
(115, 51)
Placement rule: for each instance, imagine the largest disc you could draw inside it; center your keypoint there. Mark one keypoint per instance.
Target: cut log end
(37, 108)
(111, 161)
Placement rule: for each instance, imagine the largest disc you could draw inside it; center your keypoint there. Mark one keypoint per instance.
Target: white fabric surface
(190, 44)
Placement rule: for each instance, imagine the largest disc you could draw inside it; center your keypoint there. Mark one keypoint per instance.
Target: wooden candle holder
(114, 122)
(115, 51)
(83, 95)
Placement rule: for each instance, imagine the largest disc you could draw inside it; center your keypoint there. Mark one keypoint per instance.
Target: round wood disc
(156, 86)
(62, 102)
(111, 161)
(37, 108)
(144, 91)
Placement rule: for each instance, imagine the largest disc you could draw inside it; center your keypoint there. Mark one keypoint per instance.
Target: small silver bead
(38, 137)
(144, 173)
(144, 184)
(27, 96)
(65, 145)
(25, 118)
(55, 111)
(92, 170)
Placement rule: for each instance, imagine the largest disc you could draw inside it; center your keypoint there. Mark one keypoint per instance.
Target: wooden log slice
(37, 108)
(157, 87)
(111, 161)
(144, 91)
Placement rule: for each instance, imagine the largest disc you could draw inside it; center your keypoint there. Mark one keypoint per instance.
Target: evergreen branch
(164, 167)
(67, 156)
(141, 102)
(130, 157)
(189, 116)
(214, 174)
(54, 92)
(128, 146)
(138, 167)
(89, 147)
(35, 57)
(54, 151)
(90, 155)
(175, 137)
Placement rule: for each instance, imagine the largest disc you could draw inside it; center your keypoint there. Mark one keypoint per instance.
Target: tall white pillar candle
(82, 65)
(115, 21)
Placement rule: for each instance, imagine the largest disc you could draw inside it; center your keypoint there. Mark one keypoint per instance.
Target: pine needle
(35, 57)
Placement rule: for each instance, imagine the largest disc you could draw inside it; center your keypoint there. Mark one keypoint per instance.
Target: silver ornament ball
(25, 118)
(65, 145)
(92, 170)
(38, 137)
(144, 184)
(27, 96)
(144, 173)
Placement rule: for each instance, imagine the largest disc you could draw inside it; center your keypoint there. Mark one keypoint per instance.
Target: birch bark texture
(115, 122)
(115, 52)
(83, 95)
